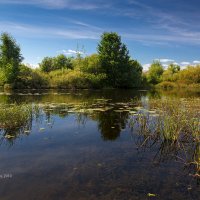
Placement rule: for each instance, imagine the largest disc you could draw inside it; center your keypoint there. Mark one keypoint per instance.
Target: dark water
(73, 155)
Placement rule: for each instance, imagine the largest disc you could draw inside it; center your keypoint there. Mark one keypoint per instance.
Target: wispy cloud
(143, 37)
(59, 4)
(165, 60)
(49, 32)
(165, 26)
(185, 63)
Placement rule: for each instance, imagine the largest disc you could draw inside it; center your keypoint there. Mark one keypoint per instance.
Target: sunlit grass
(14, 116)
(174, 123)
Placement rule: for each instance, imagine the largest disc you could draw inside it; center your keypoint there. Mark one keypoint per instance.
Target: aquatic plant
(14, 115)
(174, 124)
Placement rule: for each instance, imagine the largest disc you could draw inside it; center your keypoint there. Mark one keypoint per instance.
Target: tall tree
(114, 58)
(10, 58)
(155, 72)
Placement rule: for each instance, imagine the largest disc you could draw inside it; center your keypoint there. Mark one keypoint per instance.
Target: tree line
(111, 67)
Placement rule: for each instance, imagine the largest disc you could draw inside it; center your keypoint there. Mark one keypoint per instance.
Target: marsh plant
(16, 119)
(174, 124)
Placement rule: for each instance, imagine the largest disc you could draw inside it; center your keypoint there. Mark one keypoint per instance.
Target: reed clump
(172, 123)
(14, 116)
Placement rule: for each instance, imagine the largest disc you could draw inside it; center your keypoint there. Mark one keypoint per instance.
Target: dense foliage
(111, 67)
(10, 59)
(116, 62)
(155, 72)
(55, 63)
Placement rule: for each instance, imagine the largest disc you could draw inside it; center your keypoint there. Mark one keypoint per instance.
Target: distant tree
(170, 73)
(91, 64)
(61, 61)
(135, 73)
(47, 64)
(114, 59)
(10, 58)
(155, 73)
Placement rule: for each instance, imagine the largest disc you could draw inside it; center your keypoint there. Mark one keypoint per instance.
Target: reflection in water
(68, 161)
(110, 123)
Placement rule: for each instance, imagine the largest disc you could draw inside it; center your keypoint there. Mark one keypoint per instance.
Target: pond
(81, 145)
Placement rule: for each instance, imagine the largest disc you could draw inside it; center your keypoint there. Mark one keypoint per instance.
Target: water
(76, 155)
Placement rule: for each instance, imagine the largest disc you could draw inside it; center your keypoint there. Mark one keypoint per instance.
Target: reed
(172, 123)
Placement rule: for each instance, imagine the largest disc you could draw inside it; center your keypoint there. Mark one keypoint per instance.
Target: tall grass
(172, 123)
(14, 115)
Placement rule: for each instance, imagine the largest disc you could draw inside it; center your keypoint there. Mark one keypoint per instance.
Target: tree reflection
(110, 123)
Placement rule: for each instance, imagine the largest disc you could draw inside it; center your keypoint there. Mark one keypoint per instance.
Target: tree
(135, 73)
(90, 64)
(170, 73)
(47, 64)
(114, 59)
(10, 58)
(61, 61)
(155, 72)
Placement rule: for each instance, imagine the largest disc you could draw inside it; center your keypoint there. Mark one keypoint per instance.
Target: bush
(167, 85)
(30, 78)
(75, 79)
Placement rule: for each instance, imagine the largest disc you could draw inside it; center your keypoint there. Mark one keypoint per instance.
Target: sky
(165, 30)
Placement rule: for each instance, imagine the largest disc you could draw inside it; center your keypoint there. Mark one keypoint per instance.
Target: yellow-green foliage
(30, 78)
(181, 78)
(172, 119)
(72, 79)
(190, 75)
(14, 116)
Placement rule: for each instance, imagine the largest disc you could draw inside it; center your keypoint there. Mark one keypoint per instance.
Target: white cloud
(71, 52)
(164, 60)
(185, 63)
(196, 62)
(146, 66)
(33, 66)
(165, 65)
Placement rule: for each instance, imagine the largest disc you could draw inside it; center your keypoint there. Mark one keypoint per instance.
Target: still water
(70, 154)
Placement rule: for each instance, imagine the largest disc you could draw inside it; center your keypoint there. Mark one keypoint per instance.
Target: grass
(174, 124)
(16, 120)
(14, 115)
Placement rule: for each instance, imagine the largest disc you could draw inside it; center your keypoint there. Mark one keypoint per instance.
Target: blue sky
(168, 30)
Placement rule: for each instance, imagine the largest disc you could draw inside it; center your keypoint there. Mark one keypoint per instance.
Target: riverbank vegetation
(110, 67)
(173, 76)
(174, 125)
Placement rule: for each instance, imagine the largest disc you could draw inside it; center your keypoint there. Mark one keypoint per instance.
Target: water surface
(72, 154)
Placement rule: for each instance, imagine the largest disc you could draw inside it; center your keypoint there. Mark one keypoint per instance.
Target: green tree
(91, 64)
(10, 59)
(114, 59)
(47, 64)
(61, 61)
(170, 73)
(135, 73)
(155, 73)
